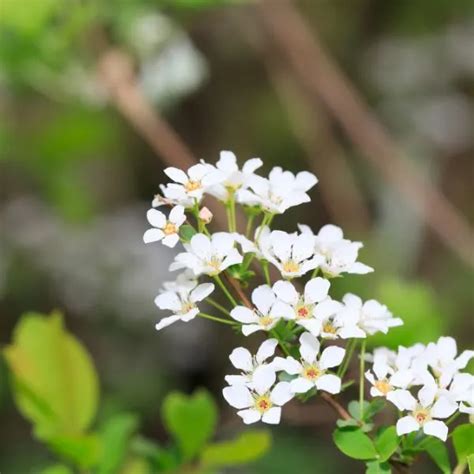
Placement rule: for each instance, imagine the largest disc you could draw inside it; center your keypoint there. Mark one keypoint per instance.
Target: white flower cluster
(303, 321)
(434, 372)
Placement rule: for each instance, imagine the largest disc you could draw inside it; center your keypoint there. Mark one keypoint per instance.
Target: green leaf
(186, 232)
(376, 405)
(386, 442)
(438, 452)
(82, 450)
(470, 463)
(375, 467)
(246, 448)
(346, 423)
(463, 441)
(354, 443)
(54, 381)
(190, 419)
(354, 408)
(57, 469)
(115, 436)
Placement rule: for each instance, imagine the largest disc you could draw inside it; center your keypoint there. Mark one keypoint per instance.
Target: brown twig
(320, 77)
(237, 288)
(341, 411)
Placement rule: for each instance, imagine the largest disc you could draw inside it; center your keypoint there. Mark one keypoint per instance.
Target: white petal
(447, 348)
(152, 235)
(301, 385)
(263, 378)
(251, 165)
(443, 408)
(171, 240)
(156, 218)
(272, 416)
(360, 269)
(263, 298)
(309, 347)
(266, 350)
(330, 233)
(426, 395)
(165, 322)
(331, 357)
(407, 424)
(248, 329)
(223, 242)
(201, 246)
(380, 367)
(249, 416)
(286, 292)
(281, 393)
(305, 180)
(352, 301)
(303, 247)
(329, 383)
(464, 359)
(282, 310)
(402, 399)
(199, 170)
(236, 379)
(402, 378)
(316, 290)
(436, 428)
(168, 300)
(327, 308)
(241, 359)
(177, 175)
(232, 258)
(281, 243)
(349, 332)
(244, 315)
(238, 396)
(177, 215)
(201, 291)
(290, 365)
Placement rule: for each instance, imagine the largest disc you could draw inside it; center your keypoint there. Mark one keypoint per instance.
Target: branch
(340, 410)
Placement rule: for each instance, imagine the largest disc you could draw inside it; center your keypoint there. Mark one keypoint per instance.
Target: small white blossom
(292, 254)
(208, 255)
(340, 255)
(181, 299)
(231, 178)
(173, 195)
(279, 192)
(263, 402)
(166, 230)
(266, 314)
(426, 412)
(243, 360)
(312, 370)
(462, 390)
(259, 246)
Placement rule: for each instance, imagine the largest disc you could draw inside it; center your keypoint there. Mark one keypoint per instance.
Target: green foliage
(463, 440)
(470, 463)
(186, 232)
(386, 443)
(81, 450)
(438, 452)
(54, 381)
(190, 419)
(353, 442)
(375, 467)
(246, 448)
(57, 469)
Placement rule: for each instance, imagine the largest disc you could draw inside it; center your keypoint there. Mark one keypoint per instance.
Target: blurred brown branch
(321, 79)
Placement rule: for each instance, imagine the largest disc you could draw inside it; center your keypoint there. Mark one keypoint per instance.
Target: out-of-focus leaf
(376, 405)
(354, 408)
(375, 467)
(386, 443)
(244, 449)
(190, 419)
(159, 458)
(115, 436)
(438, 452)
(134, 465)
(470, 463)
(57, 469)
(186, 232)
(354, 443)
(82, 450)
(54, 381)
(463, 441)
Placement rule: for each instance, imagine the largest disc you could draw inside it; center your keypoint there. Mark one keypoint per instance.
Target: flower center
(383, 386)
(265, 321)
(421, 416)
(192, 185)
(291, 266)
(263, 403)
(186, 307)
(169, 228)
(215, 264)
(303, 312)
(329, 328)
(311, 372)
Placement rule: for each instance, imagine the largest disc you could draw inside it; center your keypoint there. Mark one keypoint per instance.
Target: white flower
(292, 254)
(425, 412)
(166, 230)
(370, 316)
(340, 255)
(259, 245)
(208, 256)
(182, 302)
(243, 360)
(312, 370)
(193, 184)
(261, 403)
(462, 390)
(268, 311)
(279, 192)
(231, 178)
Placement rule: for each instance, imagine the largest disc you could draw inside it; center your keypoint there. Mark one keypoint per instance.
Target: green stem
(315, 273)
(215, 318)
(362, 378)
(230, 209)
(217, 306)
(347, 358)
(452, 418)
(265, 221)
(218, 280)
(266, 272)
(248, 230)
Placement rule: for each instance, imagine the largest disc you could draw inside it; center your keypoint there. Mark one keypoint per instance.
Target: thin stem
(274, 333)
(230, 209)
(248, 229)
(342, 412)
(236, 286)
(218, 306)
(215, 318)
(218, 280)
(452, 418)
(266, 272)
(347, 359)
(265, 221)
(362, 378)
(315, 273)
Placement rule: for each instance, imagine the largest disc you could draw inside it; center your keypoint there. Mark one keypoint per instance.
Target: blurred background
(97, 98)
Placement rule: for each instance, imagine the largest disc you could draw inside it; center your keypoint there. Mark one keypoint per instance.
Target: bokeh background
(97, 98)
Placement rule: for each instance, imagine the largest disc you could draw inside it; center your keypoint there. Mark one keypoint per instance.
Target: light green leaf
(354, 443)
(190, 419)
(115, 436)
(386, 443)
(463, 441)
(82, 450)
(376, 405)
(470, 463)
(57, 469)
(354, 408)
(375, 467)
(246, 448)
(438, 452)
(186, 232)
(54, 381)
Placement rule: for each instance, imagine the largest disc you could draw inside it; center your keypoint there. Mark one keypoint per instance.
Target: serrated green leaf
(354, 443)
(438, 452)
(190, 419)
(187, 232)
(115, 436)
(246, 448)
(375, 467)
(463, 441)
(81, 450)
(54, 380)
(386, 443)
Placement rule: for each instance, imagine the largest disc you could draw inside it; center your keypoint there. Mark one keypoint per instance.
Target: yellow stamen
(290, 266)
(169, 228)
(421, 416)
(263, 403)
(312, 372)
(265, 321)
(329, 328)
(303, 312)
(383, 386)
(192, 185)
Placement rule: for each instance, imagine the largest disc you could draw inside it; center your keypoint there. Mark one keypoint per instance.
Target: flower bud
(205, 215)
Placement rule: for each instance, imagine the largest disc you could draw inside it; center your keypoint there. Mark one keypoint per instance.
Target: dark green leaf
(354, 443)
(375, 467)
(438, 452)
(190, 419)
(186, 232)
(386, 442)
(246, 448)
(463, 441)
